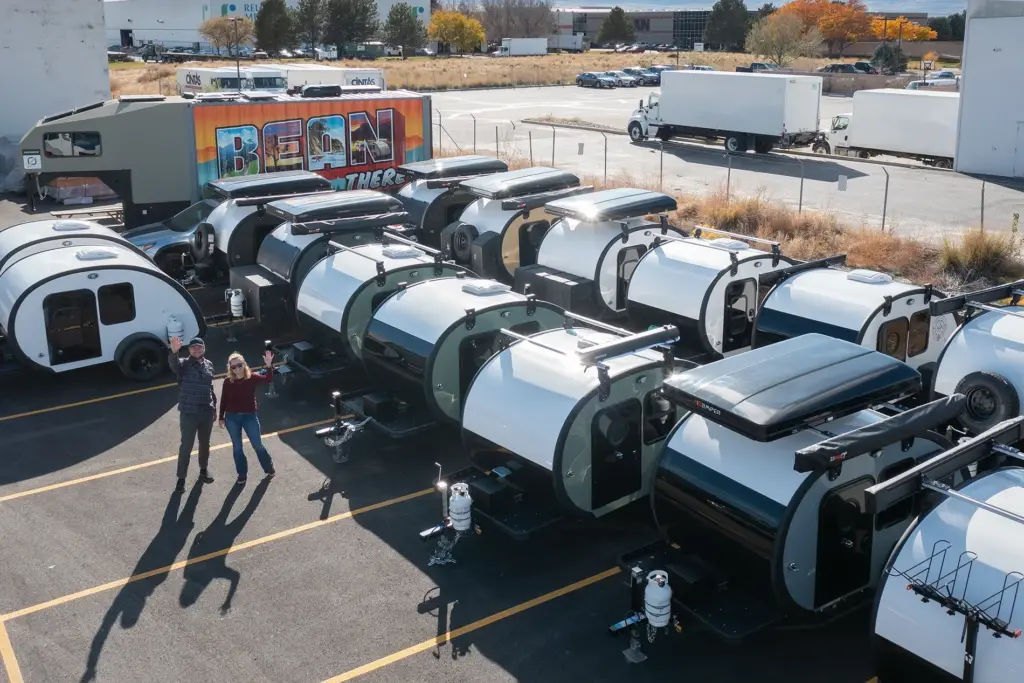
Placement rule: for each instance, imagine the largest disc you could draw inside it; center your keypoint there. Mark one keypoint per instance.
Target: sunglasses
(236, 366)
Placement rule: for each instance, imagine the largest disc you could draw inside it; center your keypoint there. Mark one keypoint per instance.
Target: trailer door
(72, 326)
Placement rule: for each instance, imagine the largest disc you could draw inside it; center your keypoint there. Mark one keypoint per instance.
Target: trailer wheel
(733, 144)
(991, 398)
(143, 360)
(636, 132)
(462, 242)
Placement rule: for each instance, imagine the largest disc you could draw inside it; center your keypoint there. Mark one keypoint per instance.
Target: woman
(238, 411)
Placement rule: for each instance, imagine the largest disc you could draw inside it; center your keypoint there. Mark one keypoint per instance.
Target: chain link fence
(915, 202)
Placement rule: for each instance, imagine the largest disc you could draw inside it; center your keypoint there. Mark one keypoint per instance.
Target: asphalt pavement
(922, 202)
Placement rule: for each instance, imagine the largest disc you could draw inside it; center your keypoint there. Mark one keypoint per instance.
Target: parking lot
(317, 575)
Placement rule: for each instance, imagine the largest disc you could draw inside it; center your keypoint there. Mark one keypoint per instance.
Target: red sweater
(240, 396)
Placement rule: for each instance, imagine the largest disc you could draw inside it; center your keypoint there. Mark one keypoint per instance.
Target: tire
(636, 132)
(203, 244)
(462, 242)
(143, 360)
(991, 398)
(733, 144)
(763, 146)
(944, 163)
(820, 148)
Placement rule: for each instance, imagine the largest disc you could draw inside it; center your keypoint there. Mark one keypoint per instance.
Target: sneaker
(241, 480)
(205, 477)
(270, 474)
(180, 487)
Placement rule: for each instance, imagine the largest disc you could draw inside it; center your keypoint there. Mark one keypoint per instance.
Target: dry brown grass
(460, 72)
(976, 259)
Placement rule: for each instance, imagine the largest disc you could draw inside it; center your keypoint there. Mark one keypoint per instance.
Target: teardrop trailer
(759, 492)
(69, 307)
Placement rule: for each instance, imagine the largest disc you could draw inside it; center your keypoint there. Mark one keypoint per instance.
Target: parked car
(865, 67)
(937, 75)
(934, 83)
(644, 76)
(762, 66)
(839, 69)
(595, 80)
(622, 79)
(424, 52)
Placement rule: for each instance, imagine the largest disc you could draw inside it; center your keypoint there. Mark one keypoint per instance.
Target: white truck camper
(912, 124)
(746, 110)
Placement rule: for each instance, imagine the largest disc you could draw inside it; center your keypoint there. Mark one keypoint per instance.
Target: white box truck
(567, 42)
(299, 74)
(522, 47)
(745, 110)
(913, 124)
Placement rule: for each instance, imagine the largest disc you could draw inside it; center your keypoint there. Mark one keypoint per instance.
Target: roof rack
(977, 300)
(350, 224)
(142, 98)
(927, 475)
(829, 455)
(65, 114)
(387, 237)
(513, 184)
(779, 275)
(438, 168)
(449, 183)
(611, 205)
(535, 201)
(266, 199)
(734, 261)
(595, 355)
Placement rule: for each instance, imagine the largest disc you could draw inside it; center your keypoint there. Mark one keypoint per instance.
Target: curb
(830, 157)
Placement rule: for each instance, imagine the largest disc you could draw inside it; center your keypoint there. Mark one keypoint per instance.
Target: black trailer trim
(335, 205)
(610, 205)
(254, 186)
(449, 167)
(520, 183)
(956, 303)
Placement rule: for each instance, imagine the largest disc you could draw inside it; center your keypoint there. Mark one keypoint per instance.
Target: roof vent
(97, 254)
(485, 287)
(69, 226)
(871, 277)
(400, 251)
(728, 244)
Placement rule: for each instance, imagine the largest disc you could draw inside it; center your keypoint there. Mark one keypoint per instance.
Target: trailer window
(892, 338)
(117, 303)
(71, 144)
(917, 340)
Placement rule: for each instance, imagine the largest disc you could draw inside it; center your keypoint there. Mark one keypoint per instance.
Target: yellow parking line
(461, 631)
(209, 556)
(10, 662)
(150, 463)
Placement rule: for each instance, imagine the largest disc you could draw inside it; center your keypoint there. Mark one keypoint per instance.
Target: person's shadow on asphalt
(214, 542)
(149, 573)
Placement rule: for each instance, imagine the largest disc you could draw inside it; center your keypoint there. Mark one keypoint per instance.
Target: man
(197, 406)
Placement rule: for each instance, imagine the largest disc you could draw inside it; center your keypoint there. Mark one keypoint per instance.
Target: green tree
(309, 19)
(766, 10)
(616, 28)
(350, 21)
(941, 27)
(889, 57)
(957, 25)
(781, 37)
(273, 26)
(727, 23)
(404, 28)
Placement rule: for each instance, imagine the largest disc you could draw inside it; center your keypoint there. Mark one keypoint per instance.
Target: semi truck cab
(646, 118)
(836, 140)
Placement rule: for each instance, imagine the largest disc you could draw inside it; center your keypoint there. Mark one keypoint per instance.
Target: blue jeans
(250, 423)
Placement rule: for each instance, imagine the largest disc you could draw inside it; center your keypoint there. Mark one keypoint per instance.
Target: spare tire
(203, 244)
(991, 398)
(462, 242)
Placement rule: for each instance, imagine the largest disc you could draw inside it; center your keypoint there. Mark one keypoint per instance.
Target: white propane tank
(236, 299)
(174, 328)
(460, 507)
(658, 599)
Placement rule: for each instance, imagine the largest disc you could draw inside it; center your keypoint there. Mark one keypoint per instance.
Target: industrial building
(55, 58)
(990, 140)
(176, 24)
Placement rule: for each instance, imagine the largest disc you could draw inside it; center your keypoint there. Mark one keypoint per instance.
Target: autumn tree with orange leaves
(841, 23)
(890, 30)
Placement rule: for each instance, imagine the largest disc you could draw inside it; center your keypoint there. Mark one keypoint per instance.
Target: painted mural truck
(745, 110)
(911, 124)
(157, 152)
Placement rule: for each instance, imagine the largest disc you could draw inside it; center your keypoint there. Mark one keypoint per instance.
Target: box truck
(567, 42)
(298, 74)
(913, 124)
(522, 47)
(157, 152)
(225, 78)
(746, 111)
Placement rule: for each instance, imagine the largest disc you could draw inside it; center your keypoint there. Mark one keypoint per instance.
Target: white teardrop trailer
(75, 294)
(759, 493)
(945, 609)
(432, 196)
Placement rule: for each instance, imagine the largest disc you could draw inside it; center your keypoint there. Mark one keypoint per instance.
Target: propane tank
(236, 299)
(658, 599)
(460, 507)
(174, 328)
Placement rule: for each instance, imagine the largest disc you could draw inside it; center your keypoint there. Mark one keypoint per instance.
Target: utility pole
(238, 59)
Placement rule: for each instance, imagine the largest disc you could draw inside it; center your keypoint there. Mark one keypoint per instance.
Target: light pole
(238, 59)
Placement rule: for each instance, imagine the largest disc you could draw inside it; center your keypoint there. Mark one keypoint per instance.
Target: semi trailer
(745, 110)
